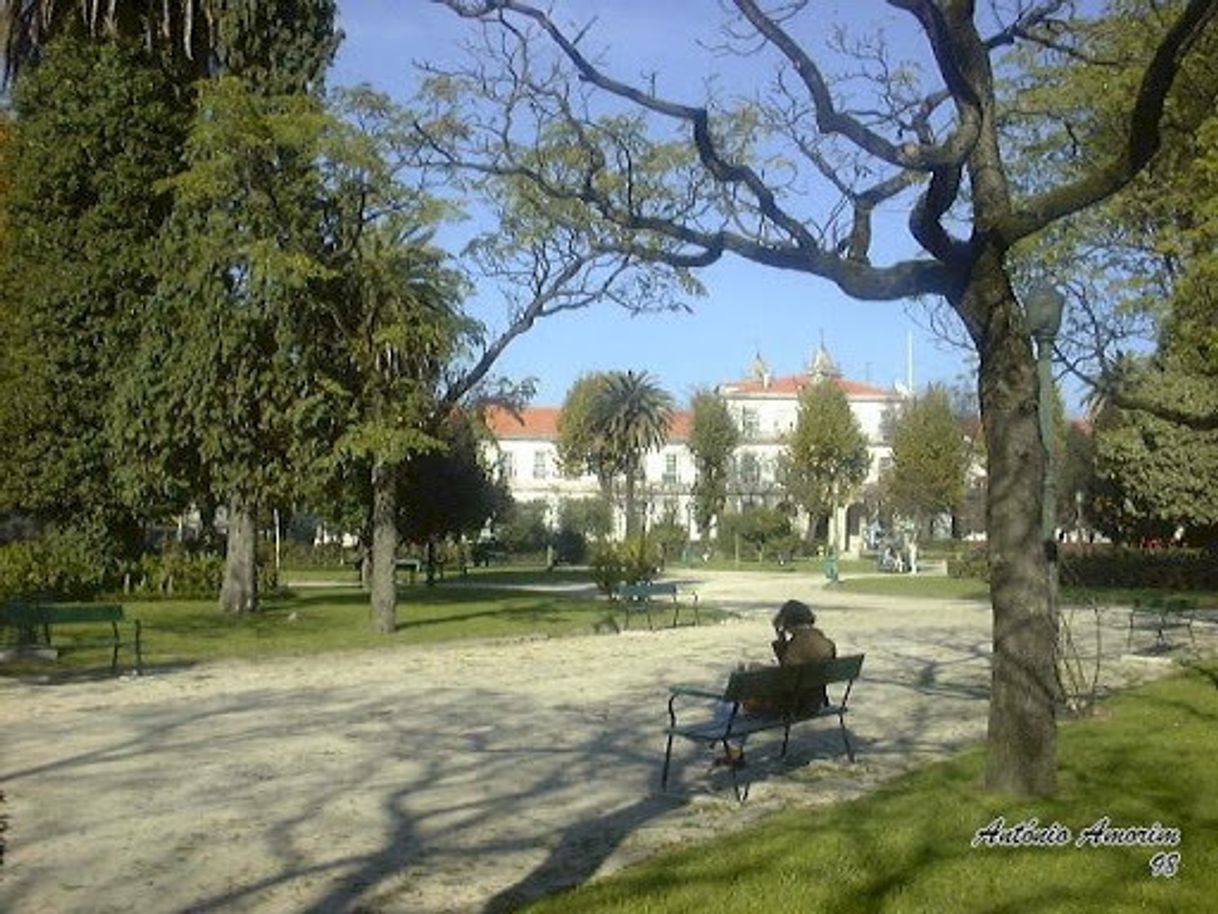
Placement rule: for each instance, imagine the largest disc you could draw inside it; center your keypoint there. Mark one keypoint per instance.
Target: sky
(748, 309)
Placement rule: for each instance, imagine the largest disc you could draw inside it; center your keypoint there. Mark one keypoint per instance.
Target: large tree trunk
(1022, 735)
(239, 591)
(632, 521)
(384, 548)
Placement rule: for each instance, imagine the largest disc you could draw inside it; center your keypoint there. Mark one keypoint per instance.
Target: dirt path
(460, 777)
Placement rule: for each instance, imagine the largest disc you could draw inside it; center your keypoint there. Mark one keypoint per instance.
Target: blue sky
(747, 308)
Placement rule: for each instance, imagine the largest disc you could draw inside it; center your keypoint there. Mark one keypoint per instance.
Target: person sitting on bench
(797, 640)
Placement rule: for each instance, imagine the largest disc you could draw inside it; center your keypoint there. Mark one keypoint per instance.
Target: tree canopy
(826, 457)
(712, 440)
(929, 456)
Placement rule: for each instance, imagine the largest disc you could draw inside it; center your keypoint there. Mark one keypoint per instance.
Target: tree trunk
(1022, 736)
(631, 519)
(384, 548)
(239, 591)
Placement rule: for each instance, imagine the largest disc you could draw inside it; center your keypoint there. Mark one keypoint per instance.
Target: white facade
(764, 408)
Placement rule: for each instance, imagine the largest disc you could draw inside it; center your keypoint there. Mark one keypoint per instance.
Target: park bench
(1160, 615)
(410, 566)
(788, 695)
(641, 598)
(30, 620)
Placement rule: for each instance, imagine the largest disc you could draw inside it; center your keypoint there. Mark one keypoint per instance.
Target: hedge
(1113, 566)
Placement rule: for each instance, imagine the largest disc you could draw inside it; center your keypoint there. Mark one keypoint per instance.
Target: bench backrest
(647, 590)
(29, 614)
(791, 682)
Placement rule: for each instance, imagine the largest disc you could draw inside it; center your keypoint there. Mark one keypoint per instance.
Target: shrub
(606, 565)
(62, 564)
(972, 562)
(570, 546)
(1116, 566)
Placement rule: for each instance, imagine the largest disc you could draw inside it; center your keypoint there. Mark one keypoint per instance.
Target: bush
(1117, 566)
(634, 561)
(63, 565)
(971, 562)
(607, 569)
(570, 547)
(1112, 566)
(295, 555)
(178, 572)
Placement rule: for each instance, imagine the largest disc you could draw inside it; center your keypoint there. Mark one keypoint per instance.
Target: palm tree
(631, 416)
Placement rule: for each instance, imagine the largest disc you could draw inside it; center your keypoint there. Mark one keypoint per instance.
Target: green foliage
(179, 573)
(1152, 476)
(826, 457)
(767, 531)
(448, 492)
(712, 440)
(929, 456)
(1113, 566)
(591, 517)
(971, 562)
(63, 564)
(84, 212)
(633, 561)
(523, 527)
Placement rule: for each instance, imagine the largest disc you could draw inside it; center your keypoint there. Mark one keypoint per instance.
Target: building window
(539, 465)
(750, 425)
(507, 465)
(670, 469)
(750, 470)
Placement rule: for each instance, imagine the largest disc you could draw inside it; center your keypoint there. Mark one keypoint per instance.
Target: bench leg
(114, 653)
(841, 719)
(786, 736)
(1129, 639)
(139, 653)
(667, 761)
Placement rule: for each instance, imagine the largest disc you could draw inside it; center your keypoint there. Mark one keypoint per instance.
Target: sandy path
(458, 777)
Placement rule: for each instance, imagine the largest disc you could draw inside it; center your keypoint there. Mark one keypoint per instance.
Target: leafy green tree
(281, 46)
(712, 440)
(929, 457)
(447, 491)
(84, 214)
(614, 419)
(580, 448)
(826, 457)
(1154, 476)
(223, 358)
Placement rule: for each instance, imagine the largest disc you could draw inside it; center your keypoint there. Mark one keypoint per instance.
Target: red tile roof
(541, 422)
(793, 384)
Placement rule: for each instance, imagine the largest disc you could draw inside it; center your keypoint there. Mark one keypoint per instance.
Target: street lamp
(1044, 305)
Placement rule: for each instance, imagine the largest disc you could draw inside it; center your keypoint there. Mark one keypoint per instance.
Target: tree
(826, 457)
(690, 197)
(1154, 476)
(281, 46)
(929, 457)
(580, 448)
(447, 491)
(712, 440)
(84, 215)
(239, 256)
(609, 421)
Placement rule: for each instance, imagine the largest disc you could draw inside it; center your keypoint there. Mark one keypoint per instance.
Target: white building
(764, 407)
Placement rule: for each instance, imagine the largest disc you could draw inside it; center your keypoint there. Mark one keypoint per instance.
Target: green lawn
(937, 586)
(319, 620)
(907, 848)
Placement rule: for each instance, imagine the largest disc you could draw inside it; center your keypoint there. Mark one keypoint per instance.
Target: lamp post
(1044, 305)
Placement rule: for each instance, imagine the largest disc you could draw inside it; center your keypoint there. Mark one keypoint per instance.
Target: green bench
(31, 620)
(1160, 615)
(789, 695)
(641, 598)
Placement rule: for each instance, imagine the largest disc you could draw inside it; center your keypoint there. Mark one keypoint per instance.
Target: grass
(323, 620)
(907, 847)
(943, 588)
(814, 566)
